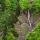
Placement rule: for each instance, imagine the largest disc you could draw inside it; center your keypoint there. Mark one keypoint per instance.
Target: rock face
(22, 26)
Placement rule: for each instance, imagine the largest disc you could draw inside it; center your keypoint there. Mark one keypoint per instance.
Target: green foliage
(35, 34)
(9, 36)
(11, 4)
(14, 4)
(7, 2)
(7, 18)
(32, 5)
(12, 30)
(24, 4)
(36, 3)
(35, 6)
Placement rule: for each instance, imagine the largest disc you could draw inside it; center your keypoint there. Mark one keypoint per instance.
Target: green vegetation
(24, 4)
(7, 18)
(9, 36)
(10, 10)
(35, 34)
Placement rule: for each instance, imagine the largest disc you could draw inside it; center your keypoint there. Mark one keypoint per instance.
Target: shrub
(35, 34)
(7, 18)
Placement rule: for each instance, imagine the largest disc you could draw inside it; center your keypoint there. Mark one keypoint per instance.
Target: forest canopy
(27, 11)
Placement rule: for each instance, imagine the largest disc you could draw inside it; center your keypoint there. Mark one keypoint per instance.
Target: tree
(7, 17)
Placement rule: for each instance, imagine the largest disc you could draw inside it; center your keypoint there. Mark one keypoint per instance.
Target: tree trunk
(29, 20)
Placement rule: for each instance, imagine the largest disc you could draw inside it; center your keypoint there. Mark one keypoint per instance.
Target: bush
(35, 34)
(9, 36)
(7, 18)
(24, 4)
(35, 6)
